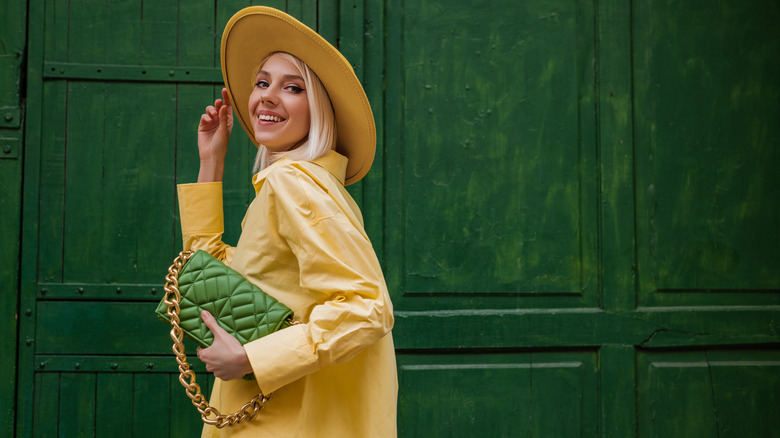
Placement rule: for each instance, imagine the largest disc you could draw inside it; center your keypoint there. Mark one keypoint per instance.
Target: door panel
(707, 184)
(497, 137)
(501, 394)
(708, 393)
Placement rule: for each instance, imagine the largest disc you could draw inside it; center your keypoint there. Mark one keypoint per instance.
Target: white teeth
(268, 118)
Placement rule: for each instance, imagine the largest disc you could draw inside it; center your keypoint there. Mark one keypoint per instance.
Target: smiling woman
(303, 240)
(280, 103)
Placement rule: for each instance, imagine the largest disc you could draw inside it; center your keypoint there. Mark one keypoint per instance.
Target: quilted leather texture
(239, 306)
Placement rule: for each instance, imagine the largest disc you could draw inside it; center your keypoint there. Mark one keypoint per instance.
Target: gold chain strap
(186, 376)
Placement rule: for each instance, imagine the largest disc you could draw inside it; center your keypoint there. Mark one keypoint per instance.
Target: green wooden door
(575, 204)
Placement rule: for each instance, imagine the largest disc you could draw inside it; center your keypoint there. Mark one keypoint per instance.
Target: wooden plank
(350, 44)
(54, 145)
(395, 225)
(82, 251)
(617, 390)
(308, 12)
(132, 73)
(46, 392)
(560, 328)
(150, 292)
(151, 405)
(29, 256)
(196, 36)
(87, 29)
(328, 21)
(54, 35)
(373, 205)
(159, 32)
(10, 204)
(125, 153)
(615, 157)
(13, 32)
(124, 35)
(106, 363)
(77, 405)
(114, 405)
(295, 8)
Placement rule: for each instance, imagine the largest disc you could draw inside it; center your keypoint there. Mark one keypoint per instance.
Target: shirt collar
(333, 162)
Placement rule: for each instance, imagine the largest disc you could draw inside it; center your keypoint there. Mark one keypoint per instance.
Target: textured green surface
(13, 37)
(575, 204)
(499, 394)
(708, 206)
(709, 393)
(495, 146)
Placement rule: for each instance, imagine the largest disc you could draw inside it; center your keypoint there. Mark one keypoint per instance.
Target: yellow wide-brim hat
(254, 33)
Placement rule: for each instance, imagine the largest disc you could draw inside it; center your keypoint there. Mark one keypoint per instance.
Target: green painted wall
(575, 204)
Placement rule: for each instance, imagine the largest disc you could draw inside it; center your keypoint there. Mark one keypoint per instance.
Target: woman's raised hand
(213, 135)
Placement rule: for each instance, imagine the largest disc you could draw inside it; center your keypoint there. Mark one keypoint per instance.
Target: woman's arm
(213, 135)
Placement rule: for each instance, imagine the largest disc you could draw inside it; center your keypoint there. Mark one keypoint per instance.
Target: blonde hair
(322, 131)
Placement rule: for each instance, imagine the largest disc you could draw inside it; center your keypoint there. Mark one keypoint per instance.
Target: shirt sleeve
(202, 219)
(338, 266)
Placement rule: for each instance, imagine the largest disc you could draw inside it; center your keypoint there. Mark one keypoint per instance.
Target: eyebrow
(284, 77)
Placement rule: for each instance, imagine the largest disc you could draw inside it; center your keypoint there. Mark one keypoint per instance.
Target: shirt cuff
(200, 208)
(291, 358)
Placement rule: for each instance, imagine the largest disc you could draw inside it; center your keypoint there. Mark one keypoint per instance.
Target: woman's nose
(268, 97)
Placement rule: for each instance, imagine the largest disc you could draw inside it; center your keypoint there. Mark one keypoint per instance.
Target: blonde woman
(302, 241)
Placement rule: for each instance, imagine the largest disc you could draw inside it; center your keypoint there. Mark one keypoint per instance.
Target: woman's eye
(295, 89)
(261, 84)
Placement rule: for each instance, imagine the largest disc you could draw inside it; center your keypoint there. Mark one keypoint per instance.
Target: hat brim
(254, 33)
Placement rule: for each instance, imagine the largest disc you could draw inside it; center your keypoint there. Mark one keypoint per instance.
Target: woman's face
(279, 106)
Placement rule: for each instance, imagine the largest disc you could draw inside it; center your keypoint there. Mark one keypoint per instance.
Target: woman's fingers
(226, 97)
(210, 322)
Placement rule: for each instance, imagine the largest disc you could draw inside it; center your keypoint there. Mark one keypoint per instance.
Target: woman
(302, 239)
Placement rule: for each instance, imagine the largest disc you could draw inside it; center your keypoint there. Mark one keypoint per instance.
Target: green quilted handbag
(196, 281)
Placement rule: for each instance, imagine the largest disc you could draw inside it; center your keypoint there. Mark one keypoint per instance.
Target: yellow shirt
(303, 242)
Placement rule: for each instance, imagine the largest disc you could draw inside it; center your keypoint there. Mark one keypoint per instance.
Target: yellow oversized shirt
(303, 242)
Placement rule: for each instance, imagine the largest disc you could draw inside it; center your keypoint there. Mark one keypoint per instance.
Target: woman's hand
(213, 135)
(226, 357)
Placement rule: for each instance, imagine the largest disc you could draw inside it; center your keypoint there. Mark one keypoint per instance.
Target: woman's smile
(269, 118)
